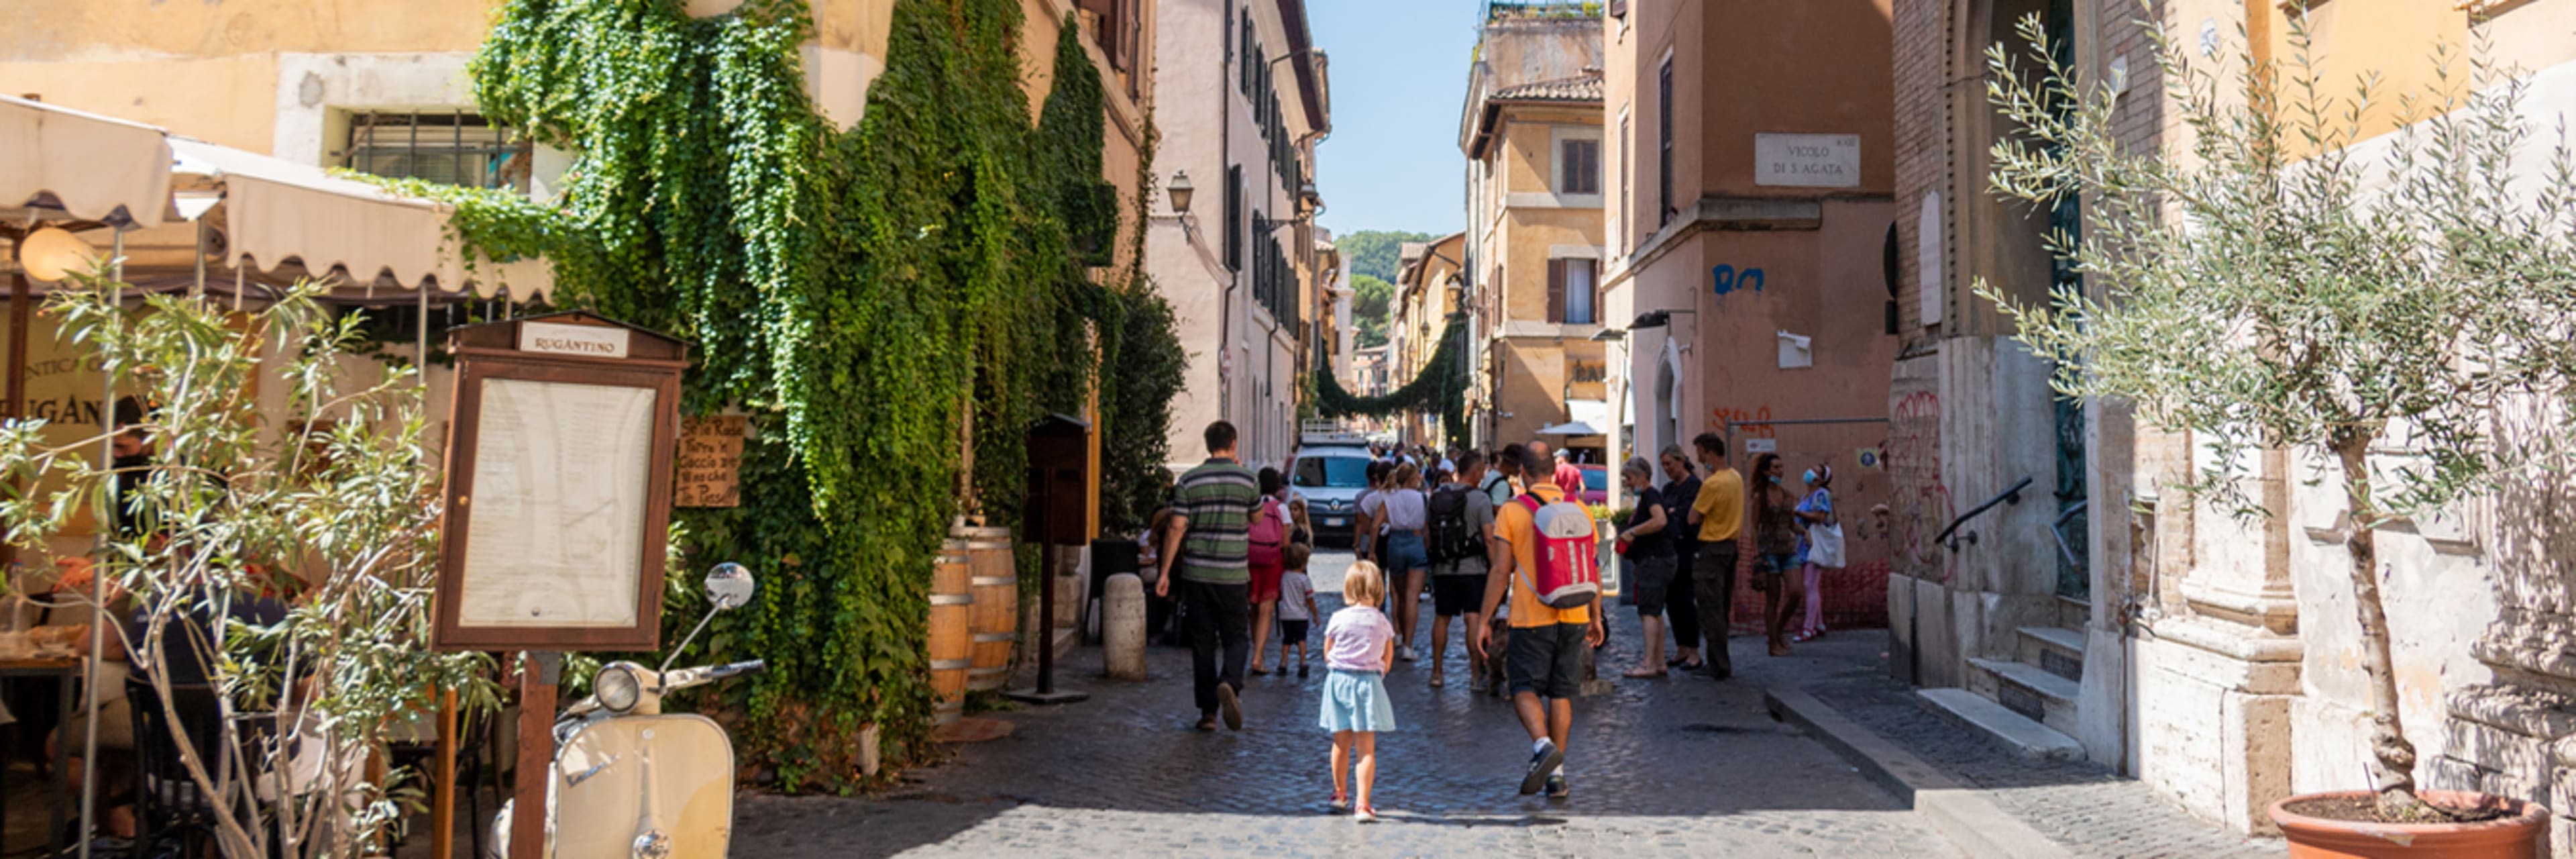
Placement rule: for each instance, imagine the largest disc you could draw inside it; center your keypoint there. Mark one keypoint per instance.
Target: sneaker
(1556, 786)
(1301, 671)
(1542, 762)
(1405, 653)
(1229, 706)
(1339, 805)
(1436, 680)
(1207, 722)
(1364, 814)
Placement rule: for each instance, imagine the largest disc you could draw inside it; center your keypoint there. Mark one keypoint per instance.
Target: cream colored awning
(93, 167)
(272, 211)
(276, 210)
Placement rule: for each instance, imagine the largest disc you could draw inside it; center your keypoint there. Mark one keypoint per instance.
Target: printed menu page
(555, 525)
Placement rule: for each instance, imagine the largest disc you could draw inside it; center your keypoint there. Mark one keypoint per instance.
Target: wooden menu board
(710, 466)
(558, 495)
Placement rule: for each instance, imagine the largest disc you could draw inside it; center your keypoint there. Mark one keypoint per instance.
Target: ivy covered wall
(859, 293)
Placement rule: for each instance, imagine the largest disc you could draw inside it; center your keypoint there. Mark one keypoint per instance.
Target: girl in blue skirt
(1359, 647)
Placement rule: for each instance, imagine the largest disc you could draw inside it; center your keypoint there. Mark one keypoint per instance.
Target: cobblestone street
(1671, 767)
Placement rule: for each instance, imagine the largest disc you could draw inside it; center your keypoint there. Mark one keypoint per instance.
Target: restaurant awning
(90, 167)
(276, 210)
(271, 211)
(1569, 428)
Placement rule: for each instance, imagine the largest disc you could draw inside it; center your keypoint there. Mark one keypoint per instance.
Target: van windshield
(1332, 472)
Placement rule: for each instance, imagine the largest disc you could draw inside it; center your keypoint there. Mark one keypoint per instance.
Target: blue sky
(1399, 71)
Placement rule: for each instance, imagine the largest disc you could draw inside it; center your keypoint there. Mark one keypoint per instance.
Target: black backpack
(1451, 538)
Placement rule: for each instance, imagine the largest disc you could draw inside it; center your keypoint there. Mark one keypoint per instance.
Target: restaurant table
(65, 670)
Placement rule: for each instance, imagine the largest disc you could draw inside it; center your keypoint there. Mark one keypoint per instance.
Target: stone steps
(2014, 730)
(2027, 690)
(2055, 650)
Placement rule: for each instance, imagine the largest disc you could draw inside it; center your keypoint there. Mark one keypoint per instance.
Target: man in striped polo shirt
(1210, 546)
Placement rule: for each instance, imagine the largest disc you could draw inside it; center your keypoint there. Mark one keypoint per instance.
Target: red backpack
(1567, 558)
(1269, 533)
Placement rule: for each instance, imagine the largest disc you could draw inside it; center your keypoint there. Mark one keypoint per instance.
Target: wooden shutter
(1618, 8)
(1556, 290)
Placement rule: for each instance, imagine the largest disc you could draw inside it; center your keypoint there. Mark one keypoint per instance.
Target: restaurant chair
(168, 806)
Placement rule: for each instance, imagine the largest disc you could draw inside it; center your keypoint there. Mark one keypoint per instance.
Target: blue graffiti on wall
(1728, 279)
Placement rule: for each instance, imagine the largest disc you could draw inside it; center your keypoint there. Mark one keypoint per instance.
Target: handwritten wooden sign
(711, 461)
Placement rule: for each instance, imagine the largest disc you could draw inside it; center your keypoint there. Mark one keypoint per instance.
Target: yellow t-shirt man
(1513, 524)
(1720, 506)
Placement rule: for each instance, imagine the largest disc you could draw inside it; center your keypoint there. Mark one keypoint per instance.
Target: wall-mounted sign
(558, 486)
(710, 467)
(1870, 458)
(1761, 445)
(1807, 160)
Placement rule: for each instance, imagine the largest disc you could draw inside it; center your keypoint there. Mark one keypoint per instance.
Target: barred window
(451, 147)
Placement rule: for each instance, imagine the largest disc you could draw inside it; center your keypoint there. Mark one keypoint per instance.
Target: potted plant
(2295, 284)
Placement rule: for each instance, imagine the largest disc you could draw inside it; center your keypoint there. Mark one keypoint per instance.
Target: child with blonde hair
(1359, 648)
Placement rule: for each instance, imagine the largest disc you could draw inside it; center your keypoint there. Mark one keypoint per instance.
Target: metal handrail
(2009, 496)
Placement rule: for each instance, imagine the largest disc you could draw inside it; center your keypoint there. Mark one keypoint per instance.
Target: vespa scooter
(631, 782)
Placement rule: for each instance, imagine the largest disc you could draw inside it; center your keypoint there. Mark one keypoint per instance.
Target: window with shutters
(1664, 143)
(1582, 291)
(1573, 291)
(1234, 218)
(1578, 166)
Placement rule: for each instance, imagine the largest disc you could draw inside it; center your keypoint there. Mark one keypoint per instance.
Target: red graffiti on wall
(1750, 424)
(1920, 499)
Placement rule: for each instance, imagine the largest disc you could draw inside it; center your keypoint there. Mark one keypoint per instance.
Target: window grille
(450, 147)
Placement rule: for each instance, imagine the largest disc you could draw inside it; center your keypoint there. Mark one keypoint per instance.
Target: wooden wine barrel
(951, 643)
(994, 576)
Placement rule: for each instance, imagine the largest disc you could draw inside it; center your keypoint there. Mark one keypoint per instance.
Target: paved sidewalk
(2080, 806)
(1672, 767)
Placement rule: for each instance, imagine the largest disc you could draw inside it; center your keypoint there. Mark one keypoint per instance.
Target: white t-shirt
(1294, 591)
(1400, 509)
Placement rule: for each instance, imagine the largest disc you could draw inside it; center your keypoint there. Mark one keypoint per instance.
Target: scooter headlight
(619, 688)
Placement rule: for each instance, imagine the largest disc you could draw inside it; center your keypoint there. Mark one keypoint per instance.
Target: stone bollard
(1122, 627)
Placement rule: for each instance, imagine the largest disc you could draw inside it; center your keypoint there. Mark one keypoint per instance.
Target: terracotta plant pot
(2522, 834)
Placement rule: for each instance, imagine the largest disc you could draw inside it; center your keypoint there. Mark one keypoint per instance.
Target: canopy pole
(21, 308)
(98, 575)
(237, 284)
(420, 333)
(197, 292)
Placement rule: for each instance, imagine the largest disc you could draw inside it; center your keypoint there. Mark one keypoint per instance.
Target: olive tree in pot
(2282, 281)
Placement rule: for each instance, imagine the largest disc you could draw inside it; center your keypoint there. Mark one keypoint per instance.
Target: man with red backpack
(1545, 557)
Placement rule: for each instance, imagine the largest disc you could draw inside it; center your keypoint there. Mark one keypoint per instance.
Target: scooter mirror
(729, 586)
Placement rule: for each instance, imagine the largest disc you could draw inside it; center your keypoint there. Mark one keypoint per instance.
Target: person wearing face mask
(1775, 546)
(1819, 545)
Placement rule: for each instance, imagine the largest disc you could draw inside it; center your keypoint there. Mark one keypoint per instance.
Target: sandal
(1339, 804)
(1437, 681)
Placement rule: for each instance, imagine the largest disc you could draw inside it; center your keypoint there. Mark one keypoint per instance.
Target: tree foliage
(1440, 389)
(1372, 309)
(1375, 253)
(2292, 285)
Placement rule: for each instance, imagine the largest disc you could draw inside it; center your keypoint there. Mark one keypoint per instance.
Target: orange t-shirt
(1513, 524)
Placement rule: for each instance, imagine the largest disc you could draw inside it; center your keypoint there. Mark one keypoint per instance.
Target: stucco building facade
(1428, 278)
(2211, 657)
(1531, 131)
(1748, 207)
(1241, 102)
